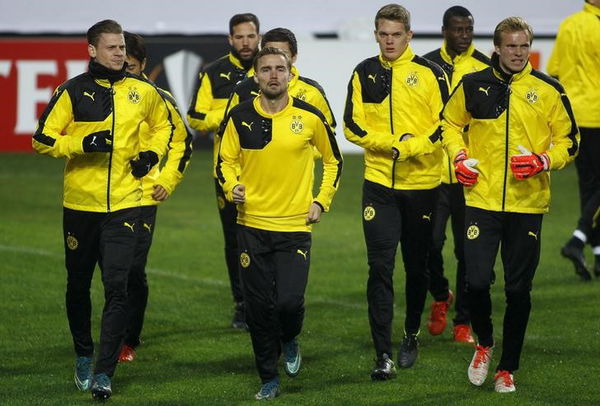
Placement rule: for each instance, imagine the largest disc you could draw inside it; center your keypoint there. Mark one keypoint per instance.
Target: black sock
(576, 242)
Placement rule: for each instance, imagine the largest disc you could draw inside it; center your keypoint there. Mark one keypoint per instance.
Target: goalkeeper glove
(464, 168)
(527, 164)
(143, 164)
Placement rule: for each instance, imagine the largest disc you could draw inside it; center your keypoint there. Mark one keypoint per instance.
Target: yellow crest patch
(244, 260)
(301, 94)
(412, 79)
(72, 242)
(133, 96)
(531, 96)
(296, 126)
(369, 213)
(472, 232)
(220, 202)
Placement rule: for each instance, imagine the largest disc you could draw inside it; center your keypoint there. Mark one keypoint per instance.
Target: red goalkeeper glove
(464, 168)
(528, 164)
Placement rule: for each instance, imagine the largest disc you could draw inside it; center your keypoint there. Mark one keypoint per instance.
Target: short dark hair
(455, 11)
(271, 51)
(281, 35)
(243, 18)
(102, 27)
(393, 12)
(135, 45)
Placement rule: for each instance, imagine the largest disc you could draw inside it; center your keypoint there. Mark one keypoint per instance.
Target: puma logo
(245, 124)
(253, 93)
(534, 235)
(426, 217)
(441, 78)
(481, 89)
(126, 224)
(372, 77)
(225, 75)
(148, 227)
(90, 95)
(303, 253)
(93, 142)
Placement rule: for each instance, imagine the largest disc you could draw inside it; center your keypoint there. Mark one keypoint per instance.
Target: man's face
(513, 50)
(134, 65)
(272, 76)
(110, 51)
(458, 34)
(284, 46)
(244, 40)
(392, 38)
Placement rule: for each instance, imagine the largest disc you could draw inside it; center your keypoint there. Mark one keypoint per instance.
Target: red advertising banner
(30, 70)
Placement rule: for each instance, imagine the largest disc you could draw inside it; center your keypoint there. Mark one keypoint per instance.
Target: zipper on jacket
(508, 91)
(112, 106)
(392, 127)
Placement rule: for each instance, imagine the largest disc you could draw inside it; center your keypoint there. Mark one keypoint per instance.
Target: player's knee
(290, 304)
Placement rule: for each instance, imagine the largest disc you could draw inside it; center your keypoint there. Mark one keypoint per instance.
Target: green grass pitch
(191, 356)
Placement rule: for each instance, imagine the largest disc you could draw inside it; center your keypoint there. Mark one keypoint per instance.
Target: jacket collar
(406, 57)
(236, 62)
(591, 9)
(101, 72)
(295, 75)
(509, 77)
(263, 113)
(458, 58)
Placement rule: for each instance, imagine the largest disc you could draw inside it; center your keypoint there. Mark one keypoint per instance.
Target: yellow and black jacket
(178, 154)
(88, 103)
(468, 62)
(388, 99)
(504, 111)
(275, 153)
(575, 61)
(216, 83)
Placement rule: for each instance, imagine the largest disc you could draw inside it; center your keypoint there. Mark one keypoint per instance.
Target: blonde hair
(394, 12)
(512, 24)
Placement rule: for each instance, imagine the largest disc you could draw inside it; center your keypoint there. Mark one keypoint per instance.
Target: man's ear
(91, 51)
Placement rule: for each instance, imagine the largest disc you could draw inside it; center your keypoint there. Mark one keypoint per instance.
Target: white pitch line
(171, 275)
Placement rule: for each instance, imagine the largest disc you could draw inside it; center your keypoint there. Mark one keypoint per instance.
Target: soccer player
(456, 57)
(575, 62)
(270, 141)
(206, 113)
(93, 120)
(520, 127)
(157, 186)
(299, 87)
(394, 100)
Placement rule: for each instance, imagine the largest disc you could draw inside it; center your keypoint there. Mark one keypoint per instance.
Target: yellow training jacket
(575, 61)
(388, 99)
(178, 157)
(275, 153)
(216, 83)
(468, 62)
(102, 182)
(504, 111)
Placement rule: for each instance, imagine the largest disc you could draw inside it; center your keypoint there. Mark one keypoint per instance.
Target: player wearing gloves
(520, 127)
(93, 120)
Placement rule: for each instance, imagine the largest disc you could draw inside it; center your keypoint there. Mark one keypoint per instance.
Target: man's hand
(159, 193)
(143, 164)
(314, 213)
(464, 168)
(239, 194)
(100, 141)
(528, 164)
(403, 137)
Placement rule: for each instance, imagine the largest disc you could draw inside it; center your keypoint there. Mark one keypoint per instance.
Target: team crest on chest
(531, 96)
(301, 94)
(296, 126)
(134, 96)
(412, 79)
